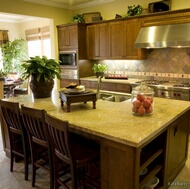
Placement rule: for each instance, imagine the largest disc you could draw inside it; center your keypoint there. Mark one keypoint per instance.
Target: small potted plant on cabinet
(42, 72)
(99, 69)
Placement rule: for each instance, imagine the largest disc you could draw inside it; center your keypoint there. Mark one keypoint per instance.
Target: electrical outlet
(126, 67)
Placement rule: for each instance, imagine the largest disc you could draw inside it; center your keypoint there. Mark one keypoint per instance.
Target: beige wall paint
(13, 28)
(58, 15)
(61, 16)
(109, 10)
(176, 4)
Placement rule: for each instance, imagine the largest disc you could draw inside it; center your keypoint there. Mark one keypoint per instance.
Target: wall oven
(68, 59)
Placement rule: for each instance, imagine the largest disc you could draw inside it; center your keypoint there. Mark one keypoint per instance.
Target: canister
(142, 100)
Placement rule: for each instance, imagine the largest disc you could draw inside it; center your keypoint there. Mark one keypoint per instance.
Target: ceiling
(15, 18)
(67, 4)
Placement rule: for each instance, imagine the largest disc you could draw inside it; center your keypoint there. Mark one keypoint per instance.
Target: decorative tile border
(151, 74)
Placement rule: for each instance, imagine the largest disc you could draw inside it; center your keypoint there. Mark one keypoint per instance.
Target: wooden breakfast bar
(129, 144)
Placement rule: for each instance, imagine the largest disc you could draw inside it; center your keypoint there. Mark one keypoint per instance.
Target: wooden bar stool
(77, 154)
(19, 145)
(40, 154)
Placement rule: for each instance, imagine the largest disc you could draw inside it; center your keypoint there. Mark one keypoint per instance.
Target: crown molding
(69, 5)
(92, 3)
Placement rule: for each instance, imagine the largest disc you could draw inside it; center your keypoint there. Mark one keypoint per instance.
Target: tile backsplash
(168, 62)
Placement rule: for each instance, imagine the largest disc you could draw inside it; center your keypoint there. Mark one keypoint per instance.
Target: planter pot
(101, 74)
(41, 88)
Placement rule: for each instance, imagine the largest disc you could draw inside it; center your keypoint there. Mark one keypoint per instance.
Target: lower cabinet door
(178, 144)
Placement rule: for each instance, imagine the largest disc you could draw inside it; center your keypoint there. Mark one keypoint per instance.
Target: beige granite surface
(124, 81)
(112, 120)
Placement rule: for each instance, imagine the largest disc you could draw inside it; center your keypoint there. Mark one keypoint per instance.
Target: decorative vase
(41, 88)
(99, 74)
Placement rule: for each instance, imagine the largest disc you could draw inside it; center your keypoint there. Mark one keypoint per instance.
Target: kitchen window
(38, 41)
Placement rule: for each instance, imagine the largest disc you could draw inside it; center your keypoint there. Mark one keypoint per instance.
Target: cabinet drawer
(65, 82)
(109, 86)
(85, 83)
(93, 84)
(124, 88)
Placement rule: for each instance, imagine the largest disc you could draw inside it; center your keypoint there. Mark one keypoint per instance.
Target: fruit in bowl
(74, 88)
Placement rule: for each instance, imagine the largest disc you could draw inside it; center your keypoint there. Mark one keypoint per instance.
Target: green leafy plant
(78, 18)
(2, 73)
(99, 67)
(134, 11)
(41, 67)
(13, 52)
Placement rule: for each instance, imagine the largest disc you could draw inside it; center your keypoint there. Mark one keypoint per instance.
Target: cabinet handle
(175, 130)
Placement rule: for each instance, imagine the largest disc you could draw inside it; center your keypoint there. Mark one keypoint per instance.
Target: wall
(163, 60)
(14, 30)
(109, 10)
(160, 62)
(57, 15)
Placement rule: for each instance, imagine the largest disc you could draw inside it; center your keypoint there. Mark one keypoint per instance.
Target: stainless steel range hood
(174, 36)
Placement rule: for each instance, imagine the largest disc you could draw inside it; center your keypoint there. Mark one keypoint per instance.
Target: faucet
(99, 83)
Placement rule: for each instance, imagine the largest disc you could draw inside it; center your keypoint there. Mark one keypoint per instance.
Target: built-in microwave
(68, 59)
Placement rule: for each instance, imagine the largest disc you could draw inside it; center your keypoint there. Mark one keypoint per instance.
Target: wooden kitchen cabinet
(89, 84)
(93, 84)
(68, 37)
(125, 88)
(178, 142)
(132, 28)
(116, 39)
(97, 41)
(152, 160)
(72, 37)
(168, 17)
(122, 36)
(85, 83)
(108, 86)
(65, 82)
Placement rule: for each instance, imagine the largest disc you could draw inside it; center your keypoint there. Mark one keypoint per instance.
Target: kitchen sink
(113, 97)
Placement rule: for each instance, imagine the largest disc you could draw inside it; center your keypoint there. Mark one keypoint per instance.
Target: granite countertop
(112, 120)
(124, 81)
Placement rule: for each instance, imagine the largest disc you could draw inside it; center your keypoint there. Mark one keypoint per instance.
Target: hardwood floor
(15, 179)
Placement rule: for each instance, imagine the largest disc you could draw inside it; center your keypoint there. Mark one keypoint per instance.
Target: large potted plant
(42, 72)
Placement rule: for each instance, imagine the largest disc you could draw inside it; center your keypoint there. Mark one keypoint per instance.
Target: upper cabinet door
(97, 41)
(73, 37)
(116, 39)
(132, 28)
(68, 37)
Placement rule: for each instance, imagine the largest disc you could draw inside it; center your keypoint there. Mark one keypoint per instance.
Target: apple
(149, 110)
(136, 103)
(150, 98)
(141, 110)
(146, 103)
(140, 97)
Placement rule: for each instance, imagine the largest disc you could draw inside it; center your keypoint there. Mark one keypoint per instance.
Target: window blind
(37, 34)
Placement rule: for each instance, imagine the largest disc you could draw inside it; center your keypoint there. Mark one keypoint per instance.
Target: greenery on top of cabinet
(134, 11)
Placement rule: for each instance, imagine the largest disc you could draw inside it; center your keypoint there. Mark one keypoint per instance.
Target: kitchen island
(129, 144)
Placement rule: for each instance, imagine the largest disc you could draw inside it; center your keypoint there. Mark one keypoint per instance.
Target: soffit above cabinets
(70, 4)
